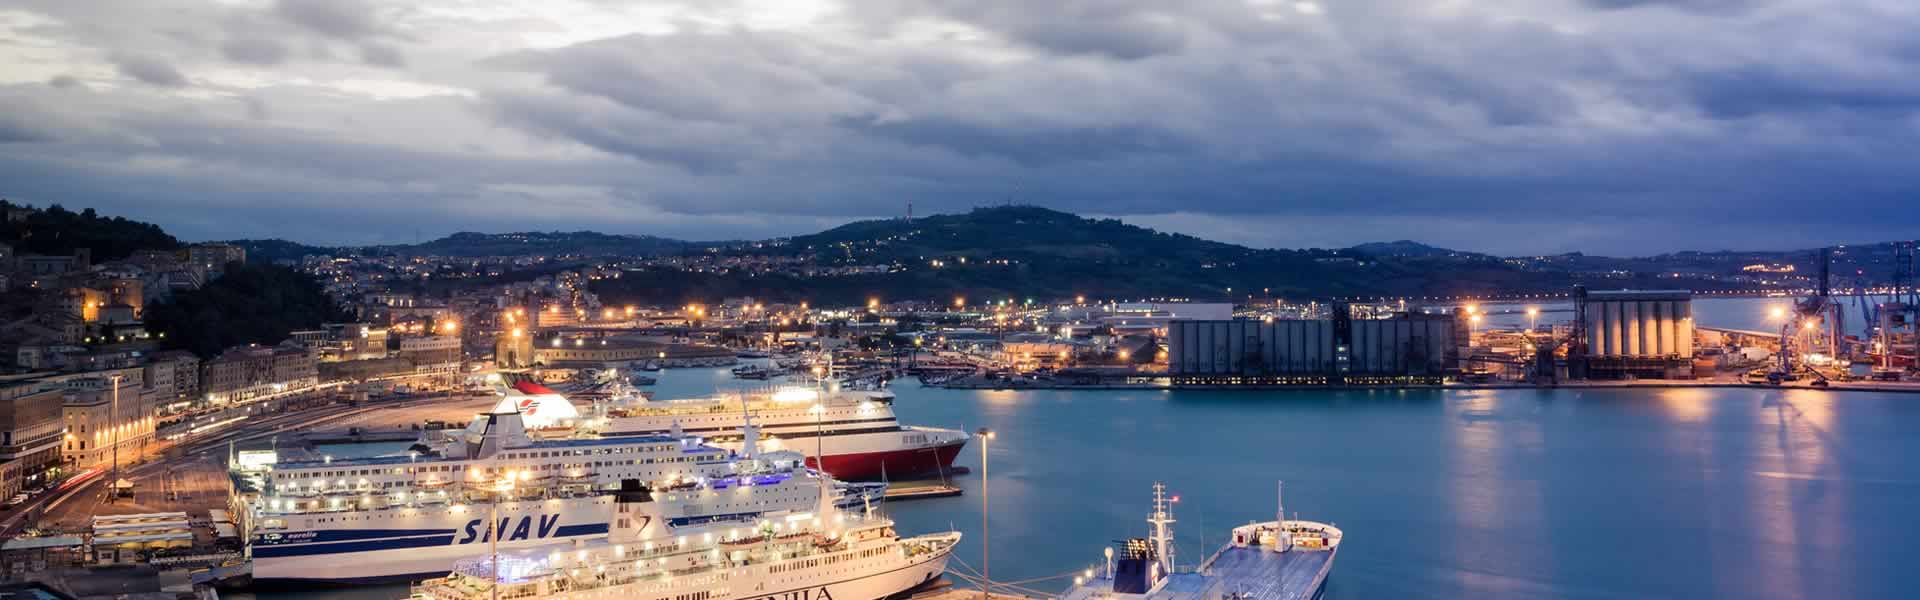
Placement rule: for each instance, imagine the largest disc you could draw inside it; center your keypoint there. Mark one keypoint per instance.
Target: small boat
(642, 380)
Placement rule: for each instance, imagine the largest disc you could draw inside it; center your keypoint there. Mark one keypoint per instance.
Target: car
(16, 499)
(34, 491)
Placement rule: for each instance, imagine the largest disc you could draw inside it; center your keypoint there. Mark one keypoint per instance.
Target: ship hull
(905, 463)
(908, 453)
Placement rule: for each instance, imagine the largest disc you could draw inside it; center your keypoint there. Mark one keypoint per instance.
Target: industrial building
(1630, 334)
(1405, 349)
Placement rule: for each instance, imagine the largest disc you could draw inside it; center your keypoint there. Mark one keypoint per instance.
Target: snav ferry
(411, 517)
(855, 430)
(1282, 559)
(823, 554)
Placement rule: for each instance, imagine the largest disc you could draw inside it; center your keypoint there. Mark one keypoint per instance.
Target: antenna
(1162, 521)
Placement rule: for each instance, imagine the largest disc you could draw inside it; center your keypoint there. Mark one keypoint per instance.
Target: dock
(942, 589)
(918, 491)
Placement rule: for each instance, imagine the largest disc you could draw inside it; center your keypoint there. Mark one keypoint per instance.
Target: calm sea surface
(1735, 493)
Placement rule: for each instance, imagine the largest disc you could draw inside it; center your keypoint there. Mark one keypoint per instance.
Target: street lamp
(1533, 312)
(986, 546)
(113, 418)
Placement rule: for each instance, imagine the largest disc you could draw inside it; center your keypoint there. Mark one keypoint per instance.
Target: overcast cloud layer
(1511, 126)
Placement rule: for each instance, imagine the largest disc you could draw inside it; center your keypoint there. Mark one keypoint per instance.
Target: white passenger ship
(855, 430)
(821, 555)
(406, 518)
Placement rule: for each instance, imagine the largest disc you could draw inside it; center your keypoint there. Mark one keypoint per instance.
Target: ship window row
(455, 469)
(592, 452)
(693, 596)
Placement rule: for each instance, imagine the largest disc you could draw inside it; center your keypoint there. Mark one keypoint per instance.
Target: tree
(248, 305)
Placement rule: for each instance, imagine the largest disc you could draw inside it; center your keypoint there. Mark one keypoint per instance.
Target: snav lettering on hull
(820, 594)
(510, 530)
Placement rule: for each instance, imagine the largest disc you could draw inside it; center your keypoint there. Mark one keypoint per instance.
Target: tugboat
(1282, 559)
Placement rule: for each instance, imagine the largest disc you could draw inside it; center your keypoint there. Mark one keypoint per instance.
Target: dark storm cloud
(255, 51)
(149, 70)
(1531, 125)
(1033, 148)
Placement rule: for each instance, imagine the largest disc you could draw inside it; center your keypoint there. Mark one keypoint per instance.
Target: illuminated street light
(1533, 312)
(986, 546)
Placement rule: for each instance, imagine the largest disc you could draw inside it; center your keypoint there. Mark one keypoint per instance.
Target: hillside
(1406, 248)
(55, 230)
(472, 244)
(1019, 252)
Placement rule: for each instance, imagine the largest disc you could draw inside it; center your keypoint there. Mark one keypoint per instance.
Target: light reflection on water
(1747, 493)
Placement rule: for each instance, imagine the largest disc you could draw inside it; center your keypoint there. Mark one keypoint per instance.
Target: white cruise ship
(405, 518)
(819, 555)
(855, 430)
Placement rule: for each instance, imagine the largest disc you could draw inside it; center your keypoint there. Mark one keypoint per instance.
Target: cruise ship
(823, 554)
(410, 517)
(1282, 559)
(855, 430)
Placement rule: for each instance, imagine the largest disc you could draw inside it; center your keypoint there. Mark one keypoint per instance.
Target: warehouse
(1408, 348)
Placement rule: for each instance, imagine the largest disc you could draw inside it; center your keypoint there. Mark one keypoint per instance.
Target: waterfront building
(248, 373)
(30, 433)
(98, 424)
(1635, 334)
(435, 354)
(1410, 348)
(177, 372)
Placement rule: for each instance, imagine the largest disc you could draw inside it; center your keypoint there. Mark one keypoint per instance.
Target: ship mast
(1162, 521)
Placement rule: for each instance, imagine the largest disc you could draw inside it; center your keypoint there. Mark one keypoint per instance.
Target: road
(184, 457)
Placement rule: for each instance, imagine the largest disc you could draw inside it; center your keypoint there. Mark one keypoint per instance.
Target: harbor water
(1625, 493)
(1667, 493)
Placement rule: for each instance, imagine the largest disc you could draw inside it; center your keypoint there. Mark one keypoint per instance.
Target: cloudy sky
(1511, 126)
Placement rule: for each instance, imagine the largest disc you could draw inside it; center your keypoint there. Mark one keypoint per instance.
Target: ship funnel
(636, 517)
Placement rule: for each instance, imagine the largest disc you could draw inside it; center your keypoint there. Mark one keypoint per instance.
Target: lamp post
(986, 541)
(113, 418)
(1533, 313)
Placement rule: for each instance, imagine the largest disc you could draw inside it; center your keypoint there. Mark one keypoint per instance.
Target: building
(582, 352)
(37, 265)
(1410, 348)
(249, 373)
(214, 257)
(103, 426)
(30, 434)
(432, 354)
(513, 350)
(1629, 334)
(183, 370)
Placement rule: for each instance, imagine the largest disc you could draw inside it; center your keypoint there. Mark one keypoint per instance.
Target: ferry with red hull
(854, 429)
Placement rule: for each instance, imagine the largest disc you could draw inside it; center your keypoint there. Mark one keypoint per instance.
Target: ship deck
(1251, 573)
